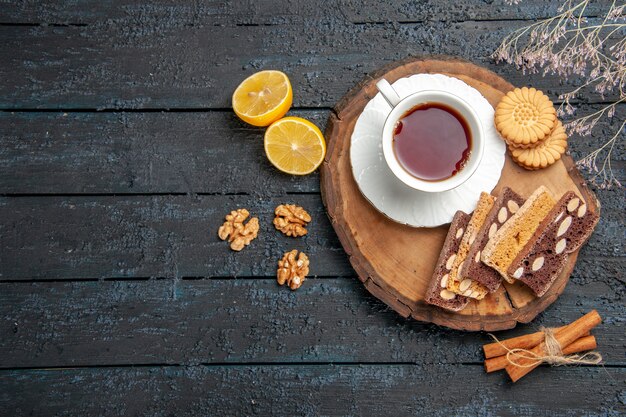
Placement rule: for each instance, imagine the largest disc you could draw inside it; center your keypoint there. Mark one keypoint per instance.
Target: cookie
(544, 154)
(525, 116)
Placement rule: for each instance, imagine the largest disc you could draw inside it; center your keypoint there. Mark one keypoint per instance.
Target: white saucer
(392, 197)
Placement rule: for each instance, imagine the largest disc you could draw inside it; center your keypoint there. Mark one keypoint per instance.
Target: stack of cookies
(526, 119)
(510, 238)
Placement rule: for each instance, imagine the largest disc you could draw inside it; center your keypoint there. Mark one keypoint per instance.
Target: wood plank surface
(267, 12)
(153, 236)
(310, 390)
(173, 152)
(77, 237)
(114, 304)
(412, 11)
(70, 153)
(180, 66)
(188, 322)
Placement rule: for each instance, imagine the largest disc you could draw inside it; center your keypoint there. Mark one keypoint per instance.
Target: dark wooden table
(120, 156)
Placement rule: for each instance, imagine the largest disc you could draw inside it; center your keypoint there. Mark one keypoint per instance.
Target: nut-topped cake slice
(505, 206)
(568, 225)
(501, 250)
(456, 284)
(437, 293)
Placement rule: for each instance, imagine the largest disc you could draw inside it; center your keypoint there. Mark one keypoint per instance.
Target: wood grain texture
(384, 252)
(267, 12)
(95, 323)
(114, 65)
(91, 153)
(424, 11)
(153, 236)
(309, 390)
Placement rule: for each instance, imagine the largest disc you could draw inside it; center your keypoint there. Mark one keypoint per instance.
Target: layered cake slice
(502, 249)
(568, 225)
(506, 205)
(468, 287)
(437, 293)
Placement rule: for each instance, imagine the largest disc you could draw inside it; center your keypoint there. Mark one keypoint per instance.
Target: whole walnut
(292, 269)
(238, 234)
(291, 220)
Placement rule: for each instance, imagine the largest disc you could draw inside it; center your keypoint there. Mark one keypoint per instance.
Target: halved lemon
(295, 145)
(263, 98)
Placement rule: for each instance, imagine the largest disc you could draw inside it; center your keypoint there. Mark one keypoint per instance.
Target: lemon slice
(295, 145)
(263, 98)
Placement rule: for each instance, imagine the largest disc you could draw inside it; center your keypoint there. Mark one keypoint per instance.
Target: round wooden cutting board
(395, 262)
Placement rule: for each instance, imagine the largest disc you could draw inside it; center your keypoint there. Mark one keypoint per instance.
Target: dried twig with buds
(569, 45)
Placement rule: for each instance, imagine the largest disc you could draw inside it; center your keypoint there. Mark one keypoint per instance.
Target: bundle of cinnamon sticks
(573, 338)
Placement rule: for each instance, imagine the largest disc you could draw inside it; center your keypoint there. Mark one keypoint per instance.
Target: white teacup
(401, 106)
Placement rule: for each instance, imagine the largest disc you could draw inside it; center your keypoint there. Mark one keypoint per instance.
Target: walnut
(238, 234)
(291, 220)
(291, 270)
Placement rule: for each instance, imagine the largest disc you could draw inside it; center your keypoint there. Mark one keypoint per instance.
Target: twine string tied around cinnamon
(553, 356)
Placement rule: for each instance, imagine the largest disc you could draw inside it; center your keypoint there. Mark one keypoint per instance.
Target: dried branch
(568, 46)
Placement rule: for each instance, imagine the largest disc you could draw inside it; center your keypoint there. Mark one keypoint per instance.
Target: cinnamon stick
(565, 337)
(527, 341)
(584, 343)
